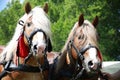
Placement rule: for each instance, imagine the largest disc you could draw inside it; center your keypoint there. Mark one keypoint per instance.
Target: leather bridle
(31, 49)
(29, 40)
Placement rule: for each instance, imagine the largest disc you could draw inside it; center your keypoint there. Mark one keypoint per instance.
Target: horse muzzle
(38, 49)
(94, 66)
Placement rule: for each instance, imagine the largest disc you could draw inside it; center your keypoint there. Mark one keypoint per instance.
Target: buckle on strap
(21, 22)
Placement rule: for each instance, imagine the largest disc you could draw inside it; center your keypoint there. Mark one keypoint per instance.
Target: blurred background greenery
(63, 14)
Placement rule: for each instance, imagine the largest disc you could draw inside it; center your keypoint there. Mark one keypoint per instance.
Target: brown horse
(80, 58)
(25, 56)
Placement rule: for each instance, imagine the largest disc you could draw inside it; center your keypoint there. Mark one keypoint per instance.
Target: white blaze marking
(93, 54)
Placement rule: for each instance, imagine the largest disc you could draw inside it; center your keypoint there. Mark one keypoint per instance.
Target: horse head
(82, 46)
(36, 30)
(29, 45)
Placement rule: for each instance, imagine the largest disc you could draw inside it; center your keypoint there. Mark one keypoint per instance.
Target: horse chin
(93, 68)
(39, 54)
(90, 74)
(90, 70)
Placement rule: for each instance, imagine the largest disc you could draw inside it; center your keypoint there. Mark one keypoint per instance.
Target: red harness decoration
(22, 49)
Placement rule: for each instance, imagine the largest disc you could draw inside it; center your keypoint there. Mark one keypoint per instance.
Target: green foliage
(8, 21)
(63, 15)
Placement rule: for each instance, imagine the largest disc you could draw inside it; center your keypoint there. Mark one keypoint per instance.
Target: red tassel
(23, 49)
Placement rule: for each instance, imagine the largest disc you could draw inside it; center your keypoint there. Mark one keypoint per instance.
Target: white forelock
(40, 19)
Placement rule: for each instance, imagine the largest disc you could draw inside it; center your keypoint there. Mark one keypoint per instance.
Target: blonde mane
(90, 31)
(69, 37)
(40, 19)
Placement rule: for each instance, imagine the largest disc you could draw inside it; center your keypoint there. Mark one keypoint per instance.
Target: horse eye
(28, 24)
(79, 37)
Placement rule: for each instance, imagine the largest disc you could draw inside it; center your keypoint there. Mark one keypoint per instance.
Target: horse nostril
(90, 63)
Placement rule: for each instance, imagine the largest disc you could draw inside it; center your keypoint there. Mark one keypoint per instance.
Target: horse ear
(81, 19)
(27, 7)
(95, 22)
(45, 8)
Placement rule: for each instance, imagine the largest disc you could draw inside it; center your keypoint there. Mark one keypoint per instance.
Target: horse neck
(62, 62)
(32, 61)
(62, 58)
